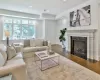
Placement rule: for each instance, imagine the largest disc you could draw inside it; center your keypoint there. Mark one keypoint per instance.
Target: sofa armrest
(17, 71)
(9, 69)
(57, 48)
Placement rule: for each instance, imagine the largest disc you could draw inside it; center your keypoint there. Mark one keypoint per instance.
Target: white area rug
(67, 70)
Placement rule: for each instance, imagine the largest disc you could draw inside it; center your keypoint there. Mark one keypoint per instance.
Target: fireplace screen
(79, 46)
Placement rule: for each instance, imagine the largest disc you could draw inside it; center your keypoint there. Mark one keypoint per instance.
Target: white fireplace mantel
(90, 40)
(69, 30)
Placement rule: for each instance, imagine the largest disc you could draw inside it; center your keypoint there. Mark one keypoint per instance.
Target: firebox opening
(79, 46)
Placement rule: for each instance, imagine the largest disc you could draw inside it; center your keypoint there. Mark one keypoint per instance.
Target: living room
(49, 40)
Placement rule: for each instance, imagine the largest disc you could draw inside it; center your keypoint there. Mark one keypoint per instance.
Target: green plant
(62, 36)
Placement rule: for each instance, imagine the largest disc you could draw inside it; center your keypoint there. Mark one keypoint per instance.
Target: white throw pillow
(2, 61)
(3, 47)
(11, 52)
(32, 43)
(39, 42)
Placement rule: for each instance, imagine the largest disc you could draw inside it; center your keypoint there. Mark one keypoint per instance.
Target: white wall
(39, 29)
(99, 31)
(94, 23)
(61, 24)
(50, 30)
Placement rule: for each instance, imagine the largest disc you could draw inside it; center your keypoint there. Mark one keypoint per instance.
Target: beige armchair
(57, 48)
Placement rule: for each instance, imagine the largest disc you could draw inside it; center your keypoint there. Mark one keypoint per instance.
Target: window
(19, 28)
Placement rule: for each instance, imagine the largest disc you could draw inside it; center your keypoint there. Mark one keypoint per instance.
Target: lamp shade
(7, 33)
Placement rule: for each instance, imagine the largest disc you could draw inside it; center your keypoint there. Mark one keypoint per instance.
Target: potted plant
(62, 38)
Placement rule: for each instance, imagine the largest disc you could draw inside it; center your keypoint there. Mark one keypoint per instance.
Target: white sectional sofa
(15, 66)
(34, 45)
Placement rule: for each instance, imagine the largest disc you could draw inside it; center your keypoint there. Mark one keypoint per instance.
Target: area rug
(66, 70)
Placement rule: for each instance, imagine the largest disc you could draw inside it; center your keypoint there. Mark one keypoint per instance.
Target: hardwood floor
(90, 65)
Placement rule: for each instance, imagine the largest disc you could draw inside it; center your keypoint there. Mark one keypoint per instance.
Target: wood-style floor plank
(94, 66)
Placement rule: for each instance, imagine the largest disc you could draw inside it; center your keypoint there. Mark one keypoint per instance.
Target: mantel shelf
(81, 30)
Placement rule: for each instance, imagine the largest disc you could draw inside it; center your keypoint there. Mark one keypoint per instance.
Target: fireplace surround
(91, 40)
(79, 46)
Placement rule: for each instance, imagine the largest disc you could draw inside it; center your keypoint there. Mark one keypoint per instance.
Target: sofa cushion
(29, 49)
(42, 48)
(34, 49)
(2, 61)
(18, 56)
(11, 52)
(3, 50)
(26, 43)
(4, 54)
(14, 62)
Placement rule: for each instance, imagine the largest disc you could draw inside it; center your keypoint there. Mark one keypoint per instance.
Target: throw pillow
(4, 54)
(26, 43)
(3, 50)
(45, 43)
(32, 43)
(2, 61)
(11, 52)
(39, 42)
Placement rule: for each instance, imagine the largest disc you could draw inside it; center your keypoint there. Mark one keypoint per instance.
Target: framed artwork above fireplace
(81, 17)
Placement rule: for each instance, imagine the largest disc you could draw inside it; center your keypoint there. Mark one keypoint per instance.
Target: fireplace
(79, 46)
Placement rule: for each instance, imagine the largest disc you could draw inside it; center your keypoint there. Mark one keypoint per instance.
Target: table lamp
(7, 34)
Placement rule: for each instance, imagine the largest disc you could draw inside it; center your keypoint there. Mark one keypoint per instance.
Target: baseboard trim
(92, 60)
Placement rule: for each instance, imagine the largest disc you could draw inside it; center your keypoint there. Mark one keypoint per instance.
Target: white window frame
(20, 25)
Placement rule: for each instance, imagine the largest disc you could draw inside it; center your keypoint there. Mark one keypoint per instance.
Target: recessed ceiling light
(46, 10)
(30, 6)
(64, 0)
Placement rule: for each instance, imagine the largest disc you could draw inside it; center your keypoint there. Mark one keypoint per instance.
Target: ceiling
(54, 6)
